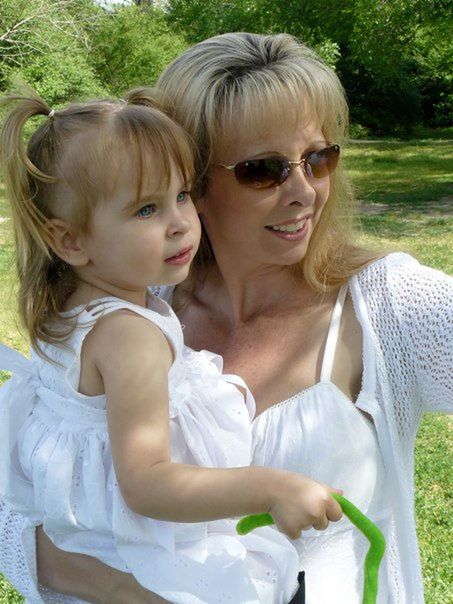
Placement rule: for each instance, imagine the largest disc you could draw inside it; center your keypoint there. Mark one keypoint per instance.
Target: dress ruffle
(59, 471)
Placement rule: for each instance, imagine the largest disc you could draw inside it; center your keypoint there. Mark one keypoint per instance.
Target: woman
(342, 349)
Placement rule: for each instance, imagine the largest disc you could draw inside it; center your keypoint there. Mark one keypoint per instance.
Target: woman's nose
(297, 189)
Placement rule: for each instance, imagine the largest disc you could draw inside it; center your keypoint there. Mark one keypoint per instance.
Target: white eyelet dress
(320, 433)
(56, 468)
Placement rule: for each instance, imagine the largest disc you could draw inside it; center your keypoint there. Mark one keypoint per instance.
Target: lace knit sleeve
(18, 559)
(411, 312)
(423, 302)
(18, 553)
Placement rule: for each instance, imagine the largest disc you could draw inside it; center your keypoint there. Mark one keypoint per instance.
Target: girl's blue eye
(181, 197)
(146, 211)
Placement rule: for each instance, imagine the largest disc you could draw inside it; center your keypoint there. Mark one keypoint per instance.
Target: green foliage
(132, 45)
(58, 77)
(392, 57)
(45, 44)
(198, 19)
(433, 71)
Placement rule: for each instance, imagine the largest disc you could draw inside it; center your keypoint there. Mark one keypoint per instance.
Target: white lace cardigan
(409, 317)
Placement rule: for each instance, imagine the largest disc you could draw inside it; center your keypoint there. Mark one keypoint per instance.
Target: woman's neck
(242, 296)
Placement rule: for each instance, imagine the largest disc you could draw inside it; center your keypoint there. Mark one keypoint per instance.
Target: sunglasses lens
(273, 171)
(251, 173)
(320, 164)
(262, 173)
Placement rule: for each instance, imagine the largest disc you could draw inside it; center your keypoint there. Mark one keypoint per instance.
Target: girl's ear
(65, 243)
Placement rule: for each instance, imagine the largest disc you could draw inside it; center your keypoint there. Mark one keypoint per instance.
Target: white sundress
(56, 467)
(322, 434)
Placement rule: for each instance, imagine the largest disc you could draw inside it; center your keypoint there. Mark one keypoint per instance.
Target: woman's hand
(87, 578)
(299, 503)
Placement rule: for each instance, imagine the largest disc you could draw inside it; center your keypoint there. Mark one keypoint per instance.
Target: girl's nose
(179, 224)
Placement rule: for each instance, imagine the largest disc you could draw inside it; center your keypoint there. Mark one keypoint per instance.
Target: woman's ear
(65, 243)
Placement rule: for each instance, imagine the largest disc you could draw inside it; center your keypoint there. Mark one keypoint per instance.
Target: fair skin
(128, 358)
(249, 298)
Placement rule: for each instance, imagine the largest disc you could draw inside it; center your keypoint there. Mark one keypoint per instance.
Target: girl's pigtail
(147, 96)
(20, 173)
(24, 182)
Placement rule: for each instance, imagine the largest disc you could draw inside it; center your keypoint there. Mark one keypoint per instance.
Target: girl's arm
(133, 359)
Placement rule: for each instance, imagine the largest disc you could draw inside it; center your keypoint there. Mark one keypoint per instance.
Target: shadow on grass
(398, 225)
(402, 174)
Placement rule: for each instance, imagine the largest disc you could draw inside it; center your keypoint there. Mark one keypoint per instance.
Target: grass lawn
(406, 195)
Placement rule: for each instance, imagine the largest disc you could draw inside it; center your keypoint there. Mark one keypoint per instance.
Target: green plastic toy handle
(373, 533)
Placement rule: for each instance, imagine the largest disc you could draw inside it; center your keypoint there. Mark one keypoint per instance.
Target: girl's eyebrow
(135, 203)
(155, 196)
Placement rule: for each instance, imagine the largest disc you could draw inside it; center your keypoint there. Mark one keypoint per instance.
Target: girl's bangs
(137, 142)
(155, 145)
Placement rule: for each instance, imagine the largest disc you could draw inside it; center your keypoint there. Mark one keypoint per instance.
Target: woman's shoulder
(398, 286)
(392, 262)
(401, 274)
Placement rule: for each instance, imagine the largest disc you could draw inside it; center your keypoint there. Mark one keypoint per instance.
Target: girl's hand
(300, 503)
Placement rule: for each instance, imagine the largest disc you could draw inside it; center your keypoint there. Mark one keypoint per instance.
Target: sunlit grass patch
(433, 504)
(428, 238)
(8, 595)
(10, 332)
(409, 173)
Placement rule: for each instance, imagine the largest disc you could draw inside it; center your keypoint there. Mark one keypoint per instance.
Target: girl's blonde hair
(69, 166)
(238, 84)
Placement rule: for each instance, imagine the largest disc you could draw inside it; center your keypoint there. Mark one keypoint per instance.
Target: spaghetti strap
(332, 336)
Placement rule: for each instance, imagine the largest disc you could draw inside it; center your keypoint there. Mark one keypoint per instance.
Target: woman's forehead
(251, 117)
(275, 137)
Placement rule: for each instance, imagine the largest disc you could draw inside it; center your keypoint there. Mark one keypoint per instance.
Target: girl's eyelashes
(146, 211)
(182, 196)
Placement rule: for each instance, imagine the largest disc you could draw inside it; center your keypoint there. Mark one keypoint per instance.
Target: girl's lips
(182, 257)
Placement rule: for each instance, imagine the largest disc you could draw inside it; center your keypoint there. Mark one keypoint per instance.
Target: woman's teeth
(289, 228)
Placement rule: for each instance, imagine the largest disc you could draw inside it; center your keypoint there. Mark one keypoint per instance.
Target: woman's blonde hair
(239, 83)
(69, 166)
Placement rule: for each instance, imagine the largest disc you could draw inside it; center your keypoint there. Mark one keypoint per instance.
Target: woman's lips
(291, 231)
(182, 257)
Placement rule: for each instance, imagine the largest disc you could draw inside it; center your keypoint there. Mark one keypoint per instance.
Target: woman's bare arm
(87, 578)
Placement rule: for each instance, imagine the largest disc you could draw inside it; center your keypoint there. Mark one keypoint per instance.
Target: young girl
(103, 429)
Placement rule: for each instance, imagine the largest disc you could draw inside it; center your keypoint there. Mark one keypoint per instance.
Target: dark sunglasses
(273, 171)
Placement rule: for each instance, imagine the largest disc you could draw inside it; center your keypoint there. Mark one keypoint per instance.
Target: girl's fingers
(321, 524)
(333, 510)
